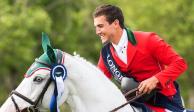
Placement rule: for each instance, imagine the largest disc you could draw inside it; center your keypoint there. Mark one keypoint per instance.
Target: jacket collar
(131, 50)
(122, 42)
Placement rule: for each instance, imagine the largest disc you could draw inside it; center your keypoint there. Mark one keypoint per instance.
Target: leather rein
(129, 101)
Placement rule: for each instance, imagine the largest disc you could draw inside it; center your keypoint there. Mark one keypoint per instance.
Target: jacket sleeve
(103, 68)
(173, 65)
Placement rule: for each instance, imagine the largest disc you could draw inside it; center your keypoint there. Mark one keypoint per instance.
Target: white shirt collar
(122, 42)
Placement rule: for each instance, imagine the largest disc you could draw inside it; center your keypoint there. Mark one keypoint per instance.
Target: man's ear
(116, 23)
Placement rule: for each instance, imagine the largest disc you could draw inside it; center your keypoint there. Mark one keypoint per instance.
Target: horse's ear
(45, 41)
(51, 54)
(46, 45)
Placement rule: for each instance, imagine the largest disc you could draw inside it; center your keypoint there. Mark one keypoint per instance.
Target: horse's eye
(38, 79)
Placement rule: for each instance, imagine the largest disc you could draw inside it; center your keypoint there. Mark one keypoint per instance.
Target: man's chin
(105, 42)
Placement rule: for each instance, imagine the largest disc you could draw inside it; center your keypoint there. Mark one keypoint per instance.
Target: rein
(129, 101)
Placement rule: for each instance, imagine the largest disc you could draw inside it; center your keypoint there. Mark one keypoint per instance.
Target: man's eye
(100, 26)
(38, 79)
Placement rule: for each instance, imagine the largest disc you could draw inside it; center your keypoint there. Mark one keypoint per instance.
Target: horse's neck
(75, 102)
(92, 90)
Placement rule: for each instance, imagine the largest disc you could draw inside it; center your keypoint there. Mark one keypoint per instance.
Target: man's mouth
(101, 36)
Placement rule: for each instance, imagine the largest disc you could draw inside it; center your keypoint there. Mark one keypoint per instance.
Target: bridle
(34, 104)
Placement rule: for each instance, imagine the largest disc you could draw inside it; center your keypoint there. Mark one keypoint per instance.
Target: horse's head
(43, 85)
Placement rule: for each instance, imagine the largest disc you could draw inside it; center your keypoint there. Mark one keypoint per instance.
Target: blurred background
(69, 23)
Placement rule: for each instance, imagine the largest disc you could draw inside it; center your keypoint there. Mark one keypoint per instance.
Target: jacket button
(167, 83)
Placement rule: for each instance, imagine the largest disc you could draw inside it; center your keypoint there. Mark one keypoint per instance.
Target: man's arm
(164, 54)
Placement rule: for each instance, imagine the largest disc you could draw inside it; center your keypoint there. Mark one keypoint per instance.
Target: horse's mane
(85, 62)
(90, 70)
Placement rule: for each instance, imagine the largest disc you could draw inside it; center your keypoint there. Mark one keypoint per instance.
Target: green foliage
(69, 24)
(19, 27)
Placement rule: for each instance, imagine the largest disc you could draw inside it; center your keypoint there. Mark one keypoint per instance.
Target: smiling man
(143, 56)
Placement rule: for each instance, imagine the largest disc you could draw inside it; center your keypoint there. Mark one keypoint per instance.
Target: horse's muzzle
(30, 109)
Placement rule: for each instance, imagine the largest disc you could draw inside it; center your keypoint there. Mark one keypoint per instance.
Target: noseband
(34, 104)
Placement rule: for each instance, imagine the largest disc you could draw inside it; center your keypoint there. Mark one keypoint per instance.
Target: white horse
(86, 88)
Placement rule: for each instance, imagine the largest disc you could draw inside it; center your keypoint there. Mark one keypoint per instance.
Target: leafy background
(69, 24)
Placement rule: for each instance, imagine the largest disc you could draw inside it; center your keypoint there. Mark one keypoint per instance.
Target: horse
(85, 87)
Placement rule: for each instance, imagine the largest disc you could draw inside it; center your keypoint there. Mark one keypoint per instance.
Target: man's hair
(111, 13)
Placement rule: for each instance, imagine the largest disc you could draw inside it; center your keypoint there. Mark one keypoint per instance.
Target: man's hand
(148, 85)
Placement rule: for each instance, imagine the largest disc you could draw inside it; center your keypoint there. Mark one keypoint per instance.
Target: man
(143, 56)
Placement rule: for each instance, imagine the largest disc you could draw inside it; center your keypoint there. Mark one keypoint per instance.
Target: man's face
(103, 29)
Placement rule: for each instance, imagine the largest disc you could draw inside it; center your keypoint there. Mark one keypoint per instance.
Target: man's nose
(98, 31)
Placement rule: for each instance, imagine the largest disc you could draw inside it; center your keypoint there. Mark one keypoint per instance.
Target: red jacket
(151, 56)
